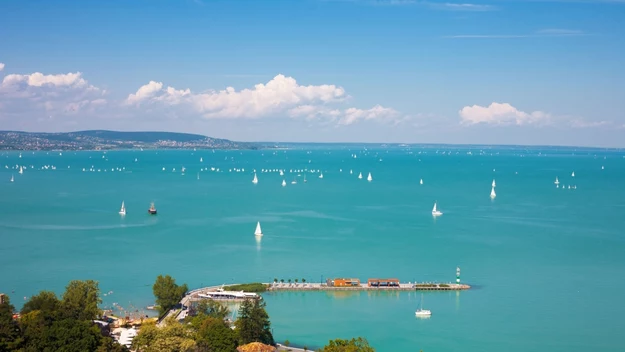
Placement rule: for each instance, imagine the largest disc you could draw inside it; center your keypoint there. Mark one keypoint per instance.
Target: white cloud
(59, 97)
(146, 91)
(37, 94)
(346, 116)
(501, 113)
(276, 96)
(38, 79)
(550, 32)
(377, 112)
(462, 7)
(1, 66)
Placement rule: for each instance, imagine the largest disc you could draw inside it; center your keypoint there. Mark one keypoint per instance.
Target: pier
(366, 287)
(218, 293)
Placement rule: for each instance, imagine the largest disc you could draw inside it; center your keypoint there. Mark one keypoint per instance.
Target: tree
(215, 335)
(173, 337)
(80, 300)
(282, 281)
(9, 329)
(253, 324)
(167, 293)
(213, 309)
(296, 280)
(46, 302)
(275, 280)
(354, 345)
(303, 281)
(289, 282)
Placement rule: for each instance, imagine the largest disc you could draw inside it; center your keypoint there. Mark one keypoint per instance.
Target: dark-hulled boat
(152, 209)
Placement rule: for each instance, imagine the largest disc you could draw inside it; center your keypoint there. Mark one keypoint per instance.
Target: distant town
(110, 140)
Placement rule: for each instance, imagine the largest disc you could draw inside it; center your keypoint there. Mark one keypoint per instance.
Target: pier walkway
(192, 296)
(365, 287)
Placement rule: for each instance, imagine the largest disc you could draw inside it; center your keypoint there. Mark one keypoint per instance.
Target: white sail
(492, 193)
(201, 160)
(573, 174)
(435, 211)
(283, 183)
(255, 180)
(421, 181)
(21, 170)
(122, 210)
(369, 178)
(198, 175)
(12, 178)
(556, 182)
(351, 172)
(494, 184)
(281, 173)
(321, 175)
(258, 231)
(360, 175)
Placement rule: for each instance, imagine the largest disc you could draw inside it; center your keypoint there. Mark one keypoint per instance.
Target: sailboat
(421, 181)
(281, 173)
(557, 182)
(360, 176)
(573, 174)
(283, 183)
(436, 212)
(422, 312)
(21, 170)
(258, 231)
(152, 210)
(294, 181)
(369, 178)
(494, 184)
(122, 210)
(12, 178)
(351, 172)
(492, 193)
(201, 160)
(255, 180)
(321, 175)
(305, 178)
(198, 175)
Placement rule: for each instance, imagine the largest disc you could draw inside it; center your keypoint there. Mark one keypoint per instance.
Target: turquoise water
(546, 264)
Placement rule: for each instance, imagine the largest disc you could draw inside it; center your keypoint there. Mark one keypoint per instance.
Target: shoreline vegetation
(255, 287)
(75, 322)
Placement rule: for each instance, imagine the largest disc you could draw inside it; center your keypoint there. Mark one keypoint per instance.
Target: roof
(256, 347)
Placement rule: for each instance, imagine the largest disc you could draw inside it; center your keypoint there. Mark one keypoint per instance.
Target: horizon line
(344, 143)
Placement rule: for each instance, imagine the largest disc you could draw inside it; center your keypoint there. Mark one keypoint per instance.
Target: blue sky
(501, 72)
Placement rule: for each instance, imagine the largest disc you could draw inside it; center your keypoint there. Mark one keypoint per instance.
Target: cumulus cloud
(276, 96)
(345, 116)
(501, 114)
(37, 93)
(1, 66)
(145, 92)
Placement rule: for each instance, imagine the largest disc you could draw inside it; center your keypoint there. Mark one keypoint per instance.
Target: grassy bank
(251, 287)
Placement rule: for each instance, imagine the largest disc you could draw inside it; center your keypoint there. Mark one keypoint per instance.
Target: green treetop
(354, 345)
(167, 293)
(253, 324)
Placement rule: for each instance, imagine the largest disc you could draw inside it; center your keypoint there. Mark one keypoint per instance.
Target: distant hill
(106, 140)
